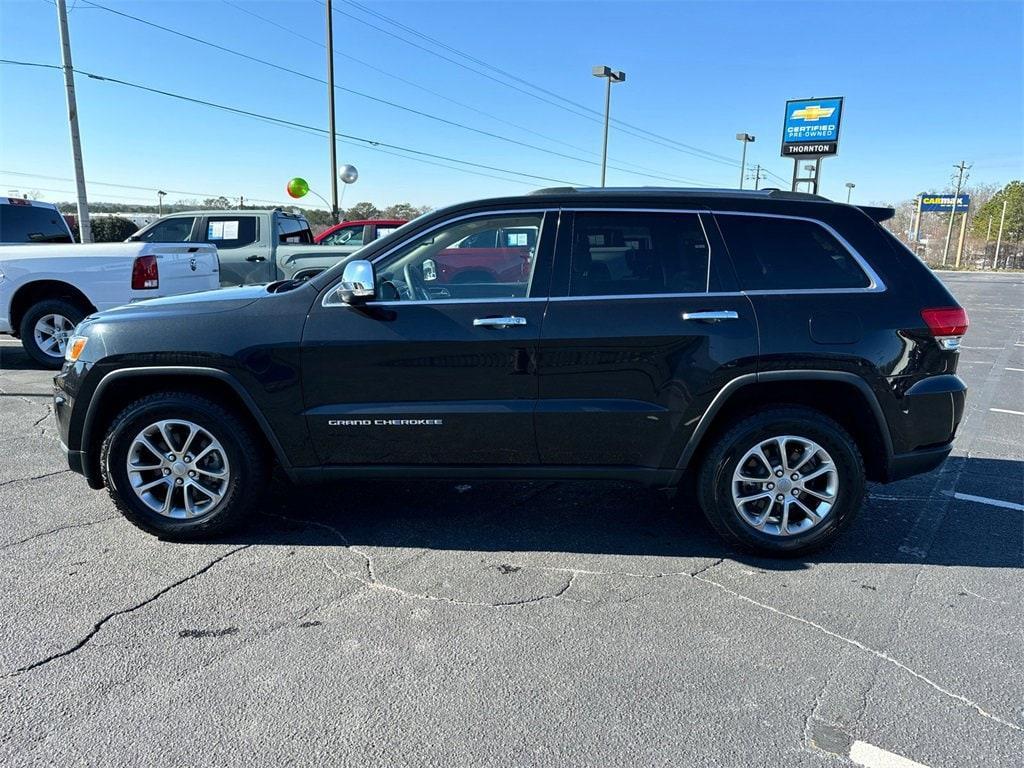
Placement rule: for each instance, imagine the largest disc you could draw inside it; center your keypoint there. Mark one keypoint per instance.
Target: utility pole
(917, 219)
(999, 237)
(963, 230)
(988, 236)
(758, 176)
(84, 228)
(962, 168)
(330, 110)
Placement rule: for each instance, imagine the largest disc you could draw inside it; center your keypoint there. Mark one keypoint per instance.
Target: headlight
(73, 351)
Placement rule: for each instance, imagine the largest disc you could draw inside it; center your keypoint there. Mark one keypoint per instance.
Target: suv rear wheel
(46, 328)
(182, 467)
(783, 482)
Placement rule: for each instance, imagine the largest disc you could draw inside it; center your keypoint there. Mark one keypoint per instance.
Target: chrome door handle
(711, 317)
(499, 322)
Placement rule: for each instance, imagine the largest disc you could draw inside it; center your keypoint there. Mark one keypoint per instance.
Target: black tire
(73, 312)
(245, 452)
(714, 483)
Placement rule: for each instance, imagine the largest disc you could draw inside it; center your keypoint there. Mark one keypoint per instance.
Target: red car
(358, 233)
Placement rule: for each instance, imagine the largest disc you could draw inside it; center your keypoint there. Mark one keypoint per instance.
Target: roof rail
(769, 192)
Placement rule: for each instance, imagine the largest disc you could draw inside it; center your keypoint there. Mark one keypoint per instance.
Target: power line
(135, 186)
(372, 143)
(594, 115)
(367, 96)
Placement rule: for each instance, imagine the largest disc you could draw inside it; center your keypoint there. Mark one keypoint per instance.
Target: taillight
(947, 324)
(145, 273)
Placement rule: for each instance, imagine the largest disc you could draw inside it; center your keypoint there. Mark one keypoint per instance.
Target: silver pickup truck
(253, 246)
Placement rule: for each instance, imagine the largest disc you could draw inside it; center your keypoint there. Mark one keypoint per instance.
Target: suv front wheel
(182, 467)
(783, 482)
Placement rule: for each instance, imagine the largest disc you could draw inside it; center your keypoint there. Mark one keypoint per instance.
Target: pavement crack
(36, 477)
(122, 612)
(44, 417)
(58, 529)
(372, 580)
(882, 655)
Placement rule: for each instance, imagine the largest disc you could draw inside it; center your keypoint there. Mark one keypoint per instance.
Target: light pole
(160, 202)
(612, 77)
(746, 138)
(330, 112)
(849, 190)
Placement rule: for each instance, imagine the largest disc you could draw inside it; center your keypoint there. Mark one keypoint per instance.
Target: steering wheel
(415, 283)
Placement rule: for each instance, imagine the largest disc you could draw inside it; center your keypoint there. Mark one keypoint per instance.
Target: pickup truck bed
(46, 290)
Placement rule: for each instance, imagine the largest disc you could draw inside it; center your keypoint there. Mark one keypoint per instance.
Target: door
(429, 373)
(644, 326)
(244, 254)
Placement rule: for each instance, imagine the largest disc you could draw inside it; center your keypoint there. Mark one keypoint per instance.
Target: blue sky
(926, 84)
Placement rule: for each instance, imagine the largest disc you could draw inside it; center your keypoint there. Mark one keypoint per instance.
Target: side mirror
(357, 282)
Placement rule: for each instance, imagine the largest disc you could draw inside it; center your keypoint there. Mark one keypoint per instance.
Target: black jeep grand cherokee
(779, 347)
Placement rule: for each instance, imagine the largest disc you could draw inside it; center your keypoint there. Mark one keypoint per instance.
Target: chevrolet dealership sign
(811, 127)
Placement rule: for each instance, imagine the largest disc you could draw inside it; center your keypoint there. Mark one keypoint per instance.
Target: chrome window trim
(875, 283)
(635, 296)
(478, 214)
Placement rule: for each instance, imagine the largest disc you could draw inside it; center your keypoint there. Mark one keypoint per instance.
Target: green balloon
(298, 187)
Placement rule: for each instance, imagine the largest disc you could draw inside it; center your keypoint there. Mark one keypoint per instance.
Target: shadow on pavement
(907, 522)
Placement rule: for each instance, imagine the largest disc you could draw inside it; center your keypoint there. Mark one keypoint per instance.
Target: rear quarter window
(32, 224)
(780, 254)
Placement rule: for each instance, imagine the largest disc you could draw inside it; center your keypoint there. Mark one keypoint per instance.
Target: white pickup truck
(46, 290)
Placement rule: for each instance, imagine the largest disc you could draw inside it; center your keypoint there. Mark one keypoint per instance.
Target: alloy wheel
(51, 334)
(178, 469)
(785, 485)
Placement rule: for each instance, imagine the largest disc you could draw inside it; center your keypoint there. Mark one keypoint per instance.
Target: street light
(849, 190)
(612, 77)
(160, 202)
(745, 138)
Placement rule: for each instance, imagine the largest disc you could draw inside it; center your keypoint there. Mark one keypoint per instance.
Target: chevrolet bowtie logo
(813, 112)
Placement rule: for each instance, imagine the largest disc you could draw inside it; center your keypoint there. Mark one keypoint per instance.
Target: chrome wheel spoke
(829, 497)
(825, 468)
(754, 497)
(814, 516)
(784, 522)
(152, 484)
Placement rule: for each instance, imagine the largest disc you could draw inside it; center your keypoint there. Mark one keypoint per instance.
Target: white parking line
(871, 756)
(986, 500)
(1019, 370)
(1003, 410)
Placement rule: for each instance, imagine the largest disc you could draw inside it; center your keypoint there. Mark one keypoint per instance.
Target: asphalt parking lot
(520, 624)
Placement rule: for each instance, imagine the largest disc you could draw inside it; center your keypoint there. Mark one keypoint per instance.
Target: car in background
(254, 246)
(358, 233)
(30, 221)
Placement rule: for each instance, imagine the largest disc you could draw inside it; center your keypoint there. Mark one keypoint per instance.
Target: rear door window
(232, 231)
(780, 254)
(32, 224)
(176, 230)
(622, 253)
